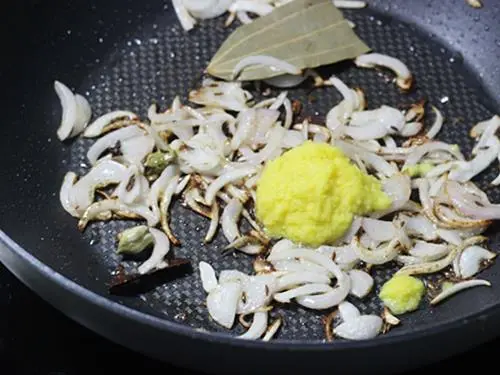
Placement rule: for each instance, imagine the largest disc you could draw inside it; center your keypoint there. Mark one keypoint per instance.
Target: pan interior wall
(128, 60)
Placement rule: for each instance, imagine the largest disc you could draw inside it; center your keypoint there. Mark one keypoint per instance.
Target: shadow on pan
(125, 54)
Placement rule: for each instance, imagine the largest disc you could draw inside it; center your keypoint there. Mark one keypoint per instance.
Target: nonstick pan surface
(128, 54)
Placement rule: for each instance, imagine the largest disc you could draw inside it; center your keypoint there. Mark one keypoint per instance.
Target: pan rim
(166, 325)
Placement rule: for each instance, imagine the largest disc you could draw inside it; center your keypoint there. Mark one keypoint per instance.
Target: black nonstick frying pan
(126, 54)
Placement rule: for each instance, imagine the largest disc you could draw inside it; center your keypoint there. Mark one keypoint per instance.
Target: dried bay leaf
(305, 33)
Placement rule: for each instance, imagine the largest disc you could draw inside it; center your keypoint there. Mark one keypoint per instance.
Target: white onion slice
(293, 265)
(286, 80)
(65, 194)
(430, 251)
(226, 178)
(411, 129)
(226, 95)
(404, 77)
(348, 311)
(207, 275)
(187, 22)
(470, 260)
(108, 205)
(420, 226)
(467, 204)
(160, 249)
(436, 266)
(229, 219)
(258, 326)
(110, 140)
(304, 290)
(379, 230)
(398, 188)
(298, 278)
(349, 4)
(275, 64)
(272, 329)
(380, 255)
(258, 291)
(84, 113)
(376, 162)
(361, 283)
(465, 170)
(205, 9)
(158, 187)
(420, 151)
(437, 125)
(96, 127)
(102, 174)
(69, 110)
(222, 303)
(490, 128)
(455, 288)
(363, 328)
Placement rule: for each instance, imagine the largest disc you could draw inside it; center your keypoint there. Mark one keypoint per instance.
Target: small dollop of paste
(402, 293)
(311, 193)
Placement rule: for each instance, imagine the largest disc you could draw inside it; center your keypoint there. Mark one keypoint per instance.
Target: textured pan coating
(157, 60)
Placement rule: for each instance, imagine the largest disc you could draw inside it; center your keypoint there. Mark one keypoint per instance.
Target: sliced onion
(69, 110)
(66, 192)
(379, 230)
(376, 123)
(378, 256)
(214, 222)
(226, 178)
(304, 290)
(222, 303)
(258, 291)
(293, 265)
(430, 251)
(361, 283)
(468, 205)
(226, 95)
(471, 259)
(272, 329)
(432, 267)
(104, 173)
(207, 275)
(455, 288)
(258, 326)
(110, 140)
(84, 112)
(420, 151)
(275, 64)
(160, 249)
(404, 77)
(205, 9)
(113, 205)
(229, 219)
(298, 278)
(420, 226)
(349, 4)
(490, 128)
(96, 128)
(159, 186)
(165, 200)
(398, 188)
(363, 328)
(348, 311)
(465, 170)
(437, 125)
(376, 162)
(187, 22)
(411, 129)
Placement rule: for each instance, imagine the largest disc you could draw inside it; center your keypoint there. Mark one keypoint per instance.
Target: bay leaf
(305, 33)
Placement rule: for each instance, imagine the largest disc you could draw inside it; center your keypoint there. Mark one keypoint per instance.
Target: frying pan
(125, 54)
